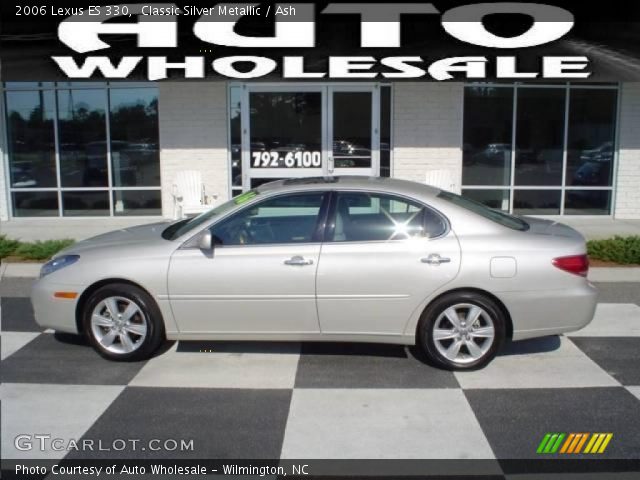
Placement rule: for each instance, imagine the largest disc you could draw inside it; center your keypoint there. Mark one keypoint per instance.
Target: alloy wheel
(463, 333)
(119, 325)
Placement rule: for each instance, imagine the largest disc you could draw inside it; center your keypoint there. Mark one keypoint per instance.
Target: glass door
(285, 135)
(309, 130)
(353, 129)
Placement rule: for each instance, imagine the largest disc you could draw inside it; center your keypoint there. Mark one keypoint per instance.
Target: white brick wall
(427, 130)
(628, 182)
(193, 136)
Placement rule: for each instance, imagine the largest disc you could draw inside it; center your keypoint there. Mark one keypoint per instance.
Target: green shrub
(7, 246)
(41, 250)
(624, 250)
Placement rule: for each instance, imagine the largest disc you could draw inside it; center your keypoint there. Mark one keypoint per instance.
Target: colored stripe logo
(573, 443)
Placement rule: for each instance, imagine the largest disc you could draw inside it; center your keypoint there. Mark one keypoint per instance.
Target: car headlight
(58, 263)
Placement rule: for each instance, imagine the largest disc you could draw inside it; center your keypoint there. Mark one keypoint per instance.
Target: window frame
(563, 188)
(318, 231)
(331, 218)
(110, 189)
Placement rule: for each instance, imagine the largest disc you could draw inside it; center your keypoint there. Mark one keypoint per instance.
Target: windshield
(496, 216)
(178, 229)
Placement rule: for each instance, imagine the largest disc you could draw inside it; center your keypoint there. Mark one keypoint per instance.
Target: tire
(462, 346)
(138, 329)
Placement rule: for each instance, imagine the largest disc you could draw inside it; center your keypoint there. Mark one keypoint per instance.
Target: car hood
(538, 226)
(126, 236)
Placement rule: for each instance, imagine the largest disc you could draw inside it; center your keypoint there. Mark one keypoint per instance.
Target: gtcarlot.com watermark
(47, 443)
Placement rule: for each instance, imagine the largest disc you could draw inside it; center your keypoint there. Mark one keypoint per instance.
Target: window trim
(331, 220)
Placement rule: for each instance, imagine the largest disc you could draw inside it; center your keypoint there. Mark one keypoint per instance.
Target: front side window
(364, 217)
(281, 220)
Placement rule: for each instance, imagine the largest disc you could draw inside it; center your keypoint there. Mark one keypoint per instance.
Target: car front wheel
(122, 322)
(462, 331)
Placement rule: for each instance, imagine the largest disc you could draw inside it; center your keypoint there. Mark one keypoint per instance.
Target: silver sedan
(325, 259)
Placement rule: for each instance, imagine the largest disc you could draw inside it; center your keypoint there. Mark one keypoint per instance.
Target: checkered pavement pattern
(328, 401)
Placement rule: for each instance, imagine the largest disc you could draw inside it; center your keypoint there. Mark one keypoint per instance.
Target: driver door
(260, 279)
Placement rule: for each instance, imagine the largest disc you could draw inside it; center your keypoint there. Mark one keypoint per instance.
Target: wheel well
(82, 301)
(479, 291)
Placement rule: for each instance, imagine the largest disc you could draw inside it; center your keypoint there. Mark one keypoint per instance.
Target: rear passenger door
(383, 254)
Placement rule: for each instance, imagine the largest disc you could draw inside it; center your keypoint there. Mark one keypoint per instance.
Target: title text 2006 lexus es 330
(329, 259)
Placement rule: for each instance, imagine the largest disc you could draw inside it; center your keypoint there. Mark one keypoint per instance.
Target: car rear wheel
(462, 331)
(122, 322)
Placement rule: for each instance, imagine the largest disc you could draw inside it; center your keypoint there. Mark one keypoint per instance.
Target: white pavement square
(11, 342)
(563, 365)
(613, 320)
(635, 391)
(376, 423)
(62, 411)
(229, 365)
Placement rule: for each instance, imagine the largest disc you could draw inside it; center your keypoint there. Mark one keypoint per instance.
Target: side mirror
(205, 241)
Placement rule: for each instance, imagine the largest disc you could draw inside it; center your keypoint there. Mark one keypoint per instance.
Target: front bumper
(550, 312)
(56, 313)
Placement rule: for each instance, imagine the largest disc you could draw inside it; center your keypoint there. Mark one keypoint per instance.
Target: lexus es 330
(325, 259)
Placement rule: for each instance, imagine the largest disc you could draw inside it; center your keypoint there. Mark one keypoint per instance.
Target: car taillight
(576, 264)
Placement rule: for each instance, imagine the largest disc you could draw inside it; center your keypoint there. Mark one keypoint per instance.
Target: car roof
(346, 182)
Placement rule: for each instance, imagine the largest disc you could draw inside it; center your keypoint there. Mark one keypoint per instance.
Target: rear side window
(496, 216)
(363, 217)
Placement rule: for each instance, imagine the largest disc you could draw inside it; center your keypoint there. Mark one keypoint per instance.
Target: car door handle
(435, 259)
(298, 260)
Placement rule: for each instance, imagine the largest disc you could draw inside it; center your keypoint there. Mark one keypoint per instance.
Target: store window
(85, 149)
(540, 150)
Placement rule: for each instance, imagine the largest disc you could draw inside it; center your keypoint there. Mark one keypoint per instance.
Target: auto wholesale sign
(438, 41)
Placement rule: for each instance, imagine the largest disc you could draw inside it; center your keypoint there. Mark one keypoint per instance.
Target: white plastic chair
(442, 179)
(189, 194)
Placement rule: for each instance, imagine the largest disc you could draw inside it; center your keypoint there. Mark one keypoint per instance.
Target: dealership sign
(380, 25)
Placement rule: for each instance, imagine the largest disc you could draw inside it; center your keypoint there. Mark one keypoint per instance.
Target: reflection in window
(83, 138)
(32, 161)
(135, 157)
(282, 123)
(87, 204)
(352, 129)
(540, 136)
(79, 109)
(35, 204)
(552, 144)
(137, 202)
(285, 219)
(235, 134)
(488, 122)
(591, 137)
(385, 131)
(536, 202)
(587, 202)
(497, 199)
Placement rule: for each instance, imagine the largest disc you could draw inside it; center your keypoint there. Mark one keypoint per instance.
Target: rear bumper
(51, 312)
(550, 312)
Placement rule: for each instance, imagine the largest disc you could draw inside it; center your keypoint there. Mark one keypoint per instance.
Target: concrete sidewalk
(596, 274)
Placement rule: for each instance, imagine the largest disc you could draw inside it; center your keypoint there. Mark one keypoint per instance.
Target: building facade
(108, 153)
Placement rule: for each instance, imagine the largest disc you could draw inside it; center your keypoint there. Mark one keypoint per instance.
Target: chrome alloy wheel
(463, 333)
(118, 325)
